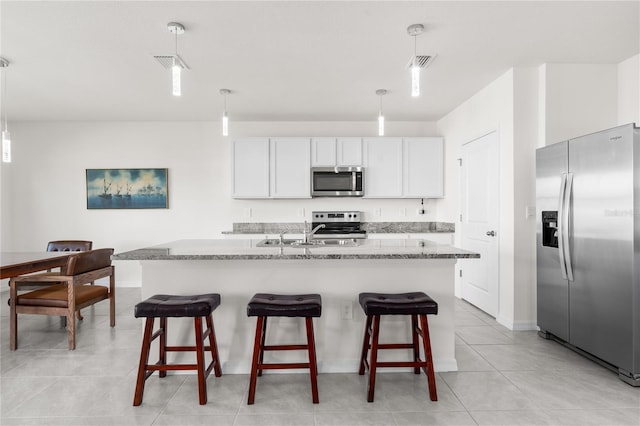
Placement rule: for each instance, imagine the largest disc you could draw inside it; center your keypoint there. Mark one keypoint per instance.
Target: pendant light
(6, 136)
(381, 93)
(176, 67)
(225, 118)
(415, 30)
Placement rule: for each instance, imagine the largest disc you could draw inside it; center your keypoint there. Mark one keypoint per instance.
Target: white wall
(490, 109)
(629, 91)
(43, 190)
(579, 99)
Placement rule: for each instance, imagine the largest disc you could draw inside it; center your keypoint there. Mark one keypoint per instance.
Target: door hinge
(461, 218)
(460, 273)
(460, 162)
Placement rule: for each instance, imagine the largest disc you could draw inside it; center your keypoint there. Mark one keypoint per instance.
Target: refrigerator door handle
(561, 225)
(566, 218)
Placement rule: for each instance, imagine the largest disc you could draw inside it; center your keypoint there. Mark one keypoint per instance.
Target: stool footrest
(395, 346)
(401, 364)
(184, 348)
(285, 347)
(282, 366)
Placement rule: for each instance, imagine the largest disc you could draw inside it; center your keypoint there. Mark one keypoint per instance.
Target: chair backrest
(88, 261)
(69, 245)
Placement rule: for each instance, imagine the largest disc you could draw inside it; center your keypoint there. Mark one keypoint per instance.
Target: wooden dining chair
(64, 245)
(64, 292)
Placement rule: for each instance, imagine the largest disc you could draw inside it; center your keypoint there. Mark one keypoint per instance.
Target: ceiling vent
(167, 61)
(423, 61)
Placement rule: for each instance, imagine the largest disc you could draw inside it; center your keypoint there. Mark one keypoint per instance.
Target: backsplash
(370, 227)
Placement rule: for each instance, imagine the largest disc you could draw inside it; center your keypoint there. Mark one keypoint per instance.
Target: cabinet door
(323, 152)
(423, 167)
(349, 152)
(250, 168)
(290, 175)
(383, 167)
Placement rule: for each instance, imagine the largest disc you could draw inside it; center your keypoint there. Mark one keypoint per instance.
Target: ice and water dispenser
(550, 229)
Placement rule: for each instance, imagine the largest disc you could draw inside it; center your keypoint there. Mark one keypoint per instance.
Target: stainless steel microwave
(341, 181)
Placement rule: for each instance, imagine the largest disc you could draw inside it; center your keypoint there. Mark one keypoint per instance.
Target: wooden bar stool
(418, 305)
(163, 306)
(264, 305)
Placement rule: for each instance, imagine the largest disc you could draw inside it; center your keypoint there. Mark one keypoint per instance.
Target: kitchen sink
(275, 242)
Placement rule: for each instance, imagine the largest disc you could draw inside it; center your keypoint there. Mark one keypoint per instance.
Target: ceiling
(288, 60)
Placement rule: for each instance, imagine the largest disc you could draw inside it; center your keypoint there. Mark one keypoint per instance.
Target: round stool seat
(416, 303)
(163, 305)
(284, 305)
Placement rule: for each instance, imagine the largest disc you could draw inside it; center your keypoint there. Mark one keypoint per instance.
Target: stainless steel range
(337, 225)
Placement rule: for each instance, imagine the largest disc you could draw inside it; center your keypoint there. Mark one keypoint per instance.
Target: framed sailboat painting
(127, 189)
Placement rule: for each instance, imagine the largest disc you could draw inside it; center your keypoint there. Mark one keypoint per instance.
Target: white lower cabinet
(410, 240)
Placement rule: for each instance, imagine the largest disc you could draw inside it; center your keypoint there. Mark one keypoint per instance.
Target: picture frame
(115, 189)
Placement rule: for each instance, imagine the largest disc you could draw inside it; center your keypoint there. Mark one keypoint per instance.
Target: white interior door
(480, 218)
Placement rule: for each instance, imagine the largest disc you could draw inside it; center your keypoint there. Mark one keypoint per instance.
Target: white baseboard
(517, 325)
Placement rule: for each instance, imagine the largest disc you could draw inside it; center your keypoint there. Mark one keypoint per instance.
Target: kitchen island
(239, 268)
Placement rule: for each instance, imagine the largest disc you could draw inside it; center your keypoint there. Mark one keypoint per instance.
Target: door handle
(491, 233)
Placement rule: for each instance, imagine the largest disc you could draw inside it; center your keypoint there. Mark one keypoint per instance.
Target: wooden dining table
(13, 264)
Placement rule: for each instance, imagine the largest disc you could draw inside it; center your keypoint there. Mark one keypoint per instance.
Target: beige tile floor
(504, 378)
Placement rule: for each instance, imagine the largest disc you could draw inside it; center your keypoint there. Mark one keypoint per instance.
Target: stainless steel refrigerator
(588, 246)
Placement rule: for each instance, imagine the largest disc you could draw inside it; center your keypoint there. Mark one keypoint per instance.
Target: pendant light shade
(176, 72)
(6, 136)
(415, 30)
(381, 93)
(177, 65)
(225, 117)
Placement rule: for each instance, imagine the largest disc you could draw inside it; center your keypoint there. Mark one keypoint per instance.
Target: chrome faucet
(282, 235)
(308, 236)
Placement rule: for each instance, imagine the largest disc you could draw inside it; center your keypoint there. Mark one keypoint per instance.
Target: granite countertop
(224, 249)
(370, 227)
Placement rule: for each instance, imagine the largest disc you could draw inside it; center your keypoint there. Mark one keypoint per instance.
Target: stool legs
(145, 370)
(431, 376)
(419, 329)
(313, 365)
(259, 346)
(144, 361)
(256, 360)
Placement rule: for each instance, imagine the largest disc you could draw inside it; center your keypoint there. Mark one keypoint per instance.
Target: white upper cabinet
(323, 152)
(329, 152)
(423, 168)
(383, 167)
(290, 168)
(349, 152)
(270, 168)
(394, 167)
(250, 168)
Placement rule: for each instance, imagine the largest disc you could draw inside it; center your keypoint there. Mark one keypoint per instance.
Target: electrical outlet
(247, 212)
(378, 211)
(346, 309)
(301, 212)
(403, 211)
